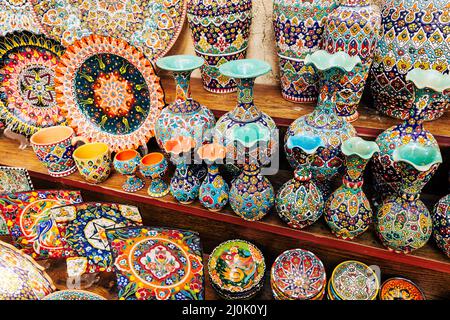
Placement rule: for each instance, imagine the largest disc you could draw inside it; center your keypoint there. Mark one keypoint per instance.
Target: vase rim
(245, 68)
(308, 143)
(360, 147)
(179, 63)
(421, 157)
(430, 78)
(212, 152)
(250, 134)
(323, 60)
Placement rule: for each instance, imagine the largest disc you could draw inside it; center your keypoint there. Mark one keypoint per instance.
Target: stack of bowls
(298, 275)
(236, 270)
(353, 280)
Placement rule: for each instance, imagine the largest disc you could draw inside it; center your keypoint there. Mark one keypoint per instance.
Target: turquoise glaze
(126, 163)
(154, 166)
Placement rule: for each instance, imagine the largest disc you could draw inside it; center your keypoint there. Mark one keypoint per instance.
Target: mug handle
(75, 140)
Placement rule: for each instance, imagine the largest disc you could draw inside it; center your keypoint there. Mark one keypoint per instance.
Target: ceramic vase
(185, 116)
(299, 202)
(324, 121)
(414, 35)
(441, 224)
(154, 165)
(347, 211)
(298, 26)
(126, 162)
(403, 221)
(251, 194)
(429, 84)
(213, 193)
(353, 27)
(220, 31)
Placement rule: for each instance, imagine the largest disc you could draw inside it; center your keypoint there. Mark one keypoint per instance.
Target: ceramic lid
(400, 289)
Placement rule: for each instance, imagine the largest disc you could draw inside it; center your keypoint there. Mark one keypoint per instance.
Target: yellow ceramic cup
(93, 161)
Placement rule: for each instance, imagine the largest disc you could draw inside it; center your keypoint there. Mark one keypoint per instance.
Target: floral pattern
(400, 289)
(73, 295)
(16, 15)
(441, 224)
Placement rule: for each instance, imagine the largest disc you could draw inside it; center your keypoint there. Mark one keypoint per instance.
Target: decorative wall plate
(27, 90)
(152, 26)
(157, 263)
(17, 15)
(21, 277)
(109, 92)
(13, 179)
(73, 295)
(30, 224)
(82, 227)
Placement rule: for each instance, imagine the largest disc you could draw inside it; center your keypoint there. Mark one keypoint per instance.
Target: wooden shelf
(268, 98)
(428, 257)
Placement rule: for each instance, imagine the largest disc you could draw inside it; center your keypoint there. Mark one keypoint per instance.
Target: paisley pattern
(27, 75)
(151, 26)
(441, 224)
(157, 264)
(109, 91)
(16, 15)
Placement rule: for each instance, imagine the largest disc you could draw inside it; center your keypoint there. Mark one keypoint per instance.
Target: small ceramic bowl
(400, 289)
(154, 166)
(93, 161)
(126, 162)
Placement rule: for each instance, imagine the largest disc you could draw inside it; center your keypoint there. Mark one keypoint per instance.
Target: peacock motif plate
(27, 89)
(73, 295)
(157, 263)
(153, 26)
(17, 15)
(109, 92)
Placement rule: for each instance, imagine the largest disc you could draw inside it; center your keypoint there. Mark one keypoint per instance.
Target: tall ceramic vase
(185, 116)
(324, 121)
(403, 222)
(414, 35)
(441, 224)
(347, 211)
(298, 28)
(353, 27)
(429, 84)
(299, 202)
(220, 30)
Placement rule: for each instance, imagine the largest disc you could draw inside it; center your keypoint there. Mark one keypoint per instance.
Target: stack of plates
(353, 280)
(400, 289)
(236, 269)
(298, 275)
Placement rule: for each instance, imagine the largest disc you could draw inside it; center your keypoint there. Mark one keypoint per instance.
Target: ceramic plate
(82, 227)
(157, 264)
(109, 91)
(73, 295)
(21, 277)
(30, 224)
(150, 25)
(27, 73)
(17, 15)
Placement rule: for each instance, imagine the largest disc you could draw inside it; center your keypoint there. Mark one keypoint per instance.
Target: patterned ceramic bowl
(73, 295)
(400, 289)
(93, 161)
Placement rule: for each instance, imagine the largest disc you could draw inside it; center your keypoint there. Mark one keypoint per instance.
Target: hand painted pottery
(441, 224)
(298, 275)
(298, 28)
(27, 93)
(414, 35)
(184, 116)
(220, 31)
(347, 211)
(244, 72)
(151, 26)
(17, 16)
(127, 162)
(214, 190)
(21, 277)
(13, 179)
(236, 269)
(83, 229)
(403, 221)
(387, 175)
(157, 263)
(184, 185)
(353, 27)
(154, 166)
(53, 147)
(73, 295)
(30, 223)
(299, 202)
(400, 289)
(109, 91)
(353, 280)
(251, 194)
(324, 121)
(93, 161)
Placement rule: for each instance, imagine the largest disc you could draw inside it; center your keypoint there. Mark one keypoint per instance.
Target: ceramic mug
(53, 147)
(93, 160)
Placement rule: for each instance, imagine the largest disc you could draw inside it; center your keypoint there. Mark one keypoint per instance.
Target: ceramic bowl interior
(182, 62)
(357, 145)
(418, 155)
(323, 60)
(432, 79)
(244, 68)
(51, 135)
(152, 159)
(250, 134)
(309, 144)
(126, 155)
(91, 150)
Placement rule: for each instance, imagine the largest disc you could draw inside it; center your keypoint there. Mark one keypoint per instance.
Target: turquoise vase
(403, 221)
(441, 224)
(184, 185)
(347, 211)
(324, 121)
(299, 202)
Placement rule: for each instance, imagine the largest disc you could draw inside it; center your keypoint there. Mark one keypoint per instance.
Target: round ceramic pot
(154, 165)
(353, 27)
(93, 161)
(441, 224)
(184, 185)
(298, 28)
(220, 31)
(126, 162)
(414, 35)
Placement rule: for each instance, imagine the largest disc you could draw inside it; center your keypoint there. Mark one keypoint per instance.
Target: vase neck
(183, 102)
(213, 169)
(422, 99)
(355, 166)
(355, 3)
(303, 173)
(251, 169)
(245, 110)
(324, 114)
(413, 180)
